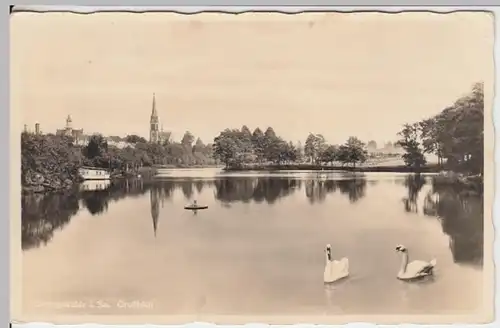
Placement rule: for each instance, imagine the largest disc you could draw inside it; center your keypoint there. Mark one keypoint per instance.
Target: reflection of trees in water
(187, 188)
(42, 214)
(96, 202)
(236, 189)
(259, 189)
(462, 219)
(316, 191)
(199, 186)
(270, 189)
(413, 183)
(354, 189)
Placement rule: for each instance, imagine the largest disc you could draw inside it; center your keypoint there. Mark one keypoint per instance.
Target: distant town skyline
(340, 75)
(68, 129)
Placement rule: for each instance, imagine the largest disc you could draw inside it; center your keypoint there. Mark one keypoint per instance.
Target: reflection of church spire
(155, 208)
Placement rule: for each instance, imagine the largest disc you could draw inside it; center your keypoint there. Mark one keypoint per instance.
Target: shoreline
(312, 167)
(55, 184)
(456, 180)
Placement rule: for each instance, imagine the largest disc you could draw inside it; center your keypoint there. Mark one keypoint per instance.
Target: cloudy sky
(361, 74)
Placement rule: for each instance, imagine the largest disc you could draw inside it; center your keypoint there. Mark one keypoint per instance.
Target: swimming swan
(334, 270)
(415, 269)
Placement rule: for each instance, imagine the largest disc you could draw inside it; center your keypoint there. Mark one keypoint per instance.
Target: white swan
(415, 269)
(334, 270)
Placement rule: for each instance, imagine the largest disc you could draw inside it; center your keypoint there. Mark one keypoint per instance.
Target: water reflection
(462, 219)
(155, 196)
(266, 189)
(41, 215)
(271, 189)
(461, 216)
(354, 189)
(413, 183)
(187, 189)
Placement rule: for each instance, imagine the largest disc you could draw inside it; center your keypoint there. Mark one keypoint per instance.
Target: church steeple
(154, 133)
(153, 112)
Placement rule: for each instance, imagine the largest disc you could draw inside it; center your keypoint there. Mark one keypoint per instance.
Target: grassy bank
(313, 167)
(471, 185)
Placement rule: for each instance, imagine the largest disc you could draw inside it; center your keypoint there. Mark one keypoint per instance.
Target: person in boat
(194, 206)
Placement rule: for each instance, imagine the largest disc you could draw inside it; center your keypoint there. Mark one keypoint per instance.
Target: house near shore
(94, 173)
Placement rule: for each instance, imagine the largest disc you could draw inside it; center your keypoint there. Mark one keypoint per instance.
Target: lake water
(258, 248)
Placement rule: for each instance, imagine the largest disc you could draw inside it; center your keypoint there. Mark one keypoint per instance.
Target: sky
(338, 74)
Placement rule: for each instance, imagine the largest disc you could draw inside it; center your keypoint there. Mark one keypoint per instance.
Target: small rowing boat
(195, 206)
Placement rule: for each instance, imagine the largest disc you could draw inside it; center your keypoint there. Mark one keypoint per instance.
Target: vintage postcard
(320, 167)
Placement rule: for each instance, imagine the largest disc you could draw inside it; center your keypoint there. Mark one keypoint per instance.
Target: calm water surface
(257, 249)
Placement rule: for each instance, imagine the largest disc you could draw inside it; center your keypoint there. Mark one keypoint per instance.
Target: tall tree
(270, 134)
(356, 151)
(187, 139)
(330, 154)
(133, 139)
(246, 131)
(258, 144)
(246, 143)
(314, 146)
(414, 156)
(227, 147)
(97, 146)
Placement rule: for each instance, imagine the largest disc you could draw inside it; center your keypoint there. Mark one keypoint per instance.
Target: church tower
(154, 132)
(69, 122)
(69, 126)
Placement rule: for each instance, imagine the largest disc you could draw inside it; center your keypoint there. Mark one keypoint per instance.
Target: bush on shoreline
(48, 163)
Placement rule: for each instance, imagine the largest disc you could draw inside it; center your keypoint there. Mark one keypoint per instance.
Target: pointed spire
(153, 112)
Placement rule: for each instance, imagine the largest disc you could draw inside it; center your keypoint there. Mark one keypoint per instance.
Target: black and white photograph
(319, 167)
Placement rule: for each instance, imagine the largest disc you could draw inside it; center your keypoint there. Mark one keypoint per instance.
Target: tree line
(455, 135)
(51, 161)
(188, 152)
(237, 147)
